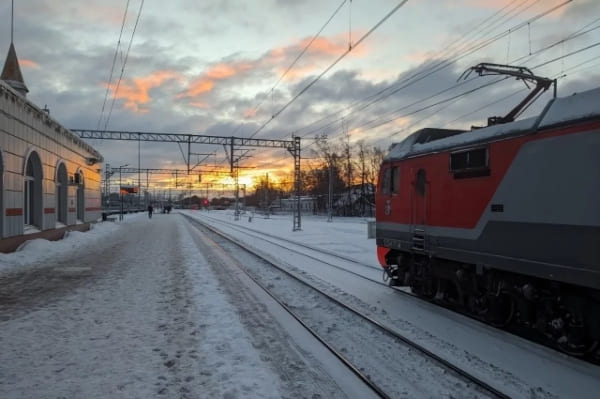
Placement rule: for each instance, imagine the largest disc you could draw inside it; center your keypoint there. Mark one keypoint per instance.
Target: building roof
(12, 72)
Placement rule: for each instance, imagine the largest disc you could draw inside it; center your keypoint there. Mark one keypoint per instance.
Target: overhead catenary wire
(567, 55)
(558, 76)
(575, 34)
(483, 26)
(539, 51)
(112, 68)
(494, 82)
(457, 47)
(123, 67)
(436, 67)
(450, 100)
(572, 36)
(297, 58)
(329, 67)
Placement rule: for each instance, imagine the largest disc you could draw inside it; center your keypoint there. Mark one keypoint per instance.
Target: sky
(226, 68)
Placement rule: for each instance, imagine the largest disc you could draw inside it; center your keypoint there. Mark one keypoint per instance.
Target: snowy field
(134, 309)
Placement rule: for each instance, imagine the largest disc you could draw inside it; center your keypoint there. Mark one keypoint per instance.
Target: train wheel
(573, 341)
(575, 349)
(425, 288)
(501, 310)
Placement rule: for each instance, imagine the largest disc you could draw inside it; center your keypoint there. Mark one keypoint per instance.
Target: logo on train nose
(388, 207)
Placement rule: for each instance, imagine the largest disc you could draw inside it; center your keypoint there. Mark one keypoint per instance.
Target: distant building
(357, 200)
(50, 180)
(307, 204)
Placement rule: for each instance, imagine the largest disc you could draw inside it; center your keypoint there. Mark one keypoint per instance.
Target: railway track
(289, 244)
(336, 322)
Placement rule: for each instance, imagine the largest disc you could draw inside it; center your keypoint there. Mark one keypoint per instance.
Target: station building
(50, 179)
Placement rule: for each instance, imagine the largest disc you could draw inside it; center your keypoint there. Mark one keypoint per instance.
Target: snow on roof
(408, 146)
(476, 135)
(577, 106)
(401, 149)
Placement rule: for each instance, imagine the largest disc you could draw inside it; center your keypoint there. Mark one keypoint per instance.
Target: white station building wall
(49, 177)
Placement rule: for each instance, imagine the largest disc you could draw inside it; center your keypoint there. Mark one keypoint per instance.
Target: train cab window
(390, 182)
(470, 163)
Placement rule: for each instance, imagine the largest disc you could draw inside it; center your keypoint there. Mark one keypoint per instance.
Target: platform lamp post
(121, 192)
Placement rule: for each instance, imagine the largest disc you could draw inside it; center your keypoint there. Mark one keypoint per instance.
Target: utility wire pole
(330, 196)
(267, 197)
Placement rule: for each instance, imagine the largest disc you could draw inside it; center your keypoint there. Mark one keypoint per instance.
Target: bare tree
(362, 157)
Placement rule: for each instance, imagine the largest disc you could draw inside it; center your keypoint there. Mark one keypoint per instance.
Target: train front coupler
(393, 275)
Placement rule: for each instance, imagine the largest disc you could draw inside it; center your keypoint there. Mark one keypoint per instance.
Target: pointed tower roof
(12, 72)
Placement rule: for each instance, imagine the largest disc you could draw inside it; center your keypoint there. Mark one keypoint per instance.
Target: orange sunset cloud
(276, 60)
(29, 64)
(250, 113)
(137, 92)
(206, 82)
(321, 49)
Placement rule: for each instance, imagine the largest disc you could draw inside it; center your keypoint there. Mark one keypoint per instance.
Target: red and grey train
(502, 222)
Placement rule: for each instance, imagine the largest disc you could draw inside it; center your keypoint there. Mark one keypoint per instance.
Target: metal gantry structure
(231, 142)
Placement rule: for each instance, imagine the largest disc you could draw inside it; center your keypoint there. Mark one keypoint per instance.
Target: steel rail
(363, 377)
(409, 342)
(260, 234)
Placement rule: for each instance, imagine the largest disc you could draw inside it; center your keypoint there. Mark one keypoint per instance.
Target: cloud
(28, 63)
(269, 66)
(250, 113)
(223, 58)
(76, 12)
(321, 49)
(219, 72)
(136, 92)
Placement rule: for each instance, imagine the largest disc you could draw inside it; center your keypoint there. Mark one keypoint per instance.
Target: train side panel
(531, 209)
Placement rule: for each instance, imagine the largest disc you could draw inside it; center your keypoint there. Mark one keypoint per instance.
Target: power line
(491, 83)
(570, 37)
(512, 94)
(453, 98)
(124, 64)
(112, 68)
(329, 67)
(298, 58)
(567, 55)
(420, 75)
(309, 44)
(450, 48)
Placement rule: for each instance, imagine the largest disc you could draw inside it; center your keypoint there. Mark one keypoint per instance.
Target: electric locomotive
(502, 222)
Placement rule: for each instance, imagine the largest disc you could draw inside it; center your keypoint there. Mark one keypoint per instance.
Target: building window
(28, 196)
(32, 191)
(78, 178)
(61, 193)
(470, 163)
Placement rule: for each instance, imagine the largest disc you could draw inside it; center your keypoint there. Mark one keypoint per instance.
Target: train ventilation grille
(418, 240)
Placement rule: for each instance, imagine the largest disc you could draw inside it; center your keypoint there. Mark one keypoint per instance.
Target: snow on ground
(513, 363)
(136, 315)
(75, 334)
